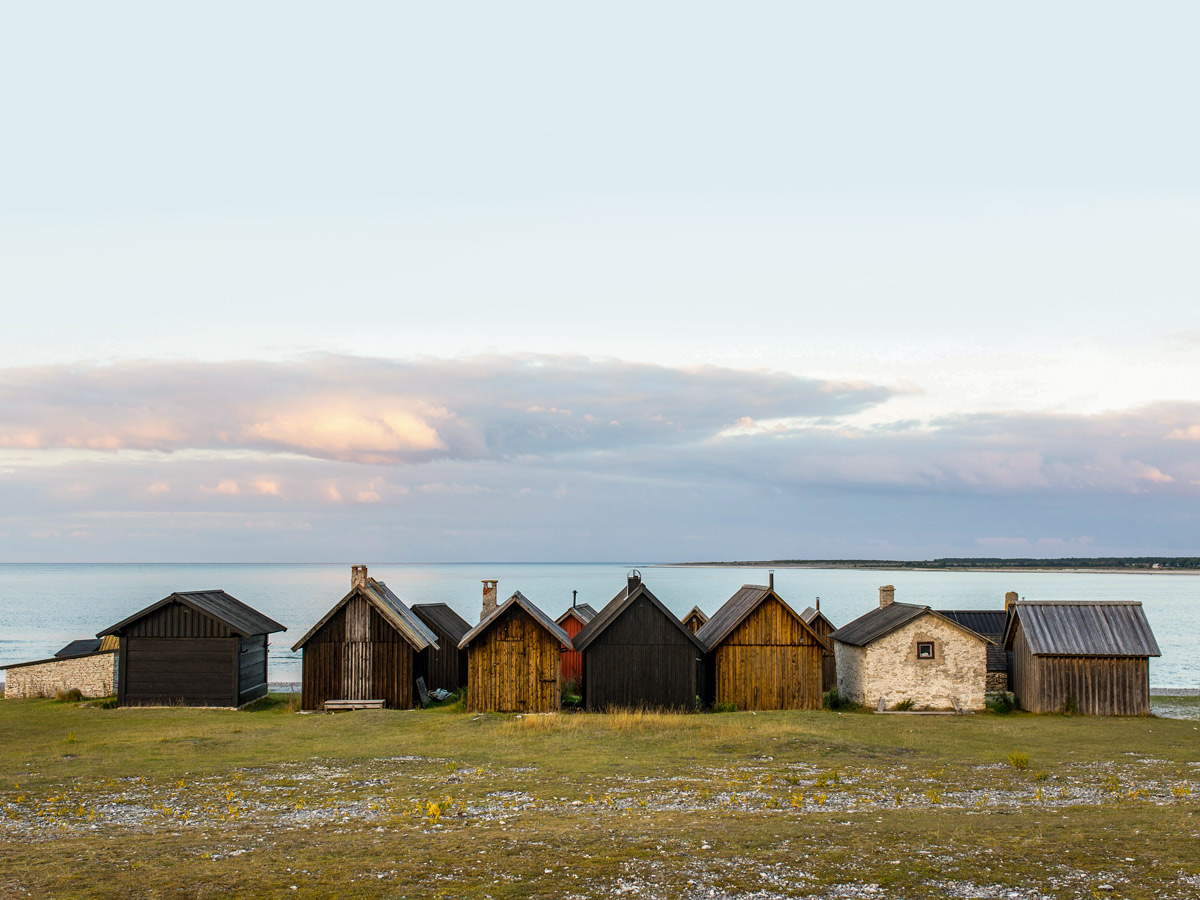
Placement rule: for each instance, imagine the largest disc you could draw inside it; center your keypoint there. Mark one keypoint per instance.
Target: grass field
(440, 803)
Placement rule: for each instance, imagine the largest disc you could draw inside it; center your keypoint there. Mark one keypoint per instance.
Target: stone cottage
(902, 651)
(89, 666)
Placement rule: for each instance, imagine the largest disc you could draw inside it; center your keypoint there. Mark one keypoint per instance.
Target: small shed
(572, 622)
(443, 665)
(903, 651)
(695, 619)
(1088, 656)
(514, 659)
(819, 622)
(365, 648)
(193, 648)
(762, 654)
(636, 653)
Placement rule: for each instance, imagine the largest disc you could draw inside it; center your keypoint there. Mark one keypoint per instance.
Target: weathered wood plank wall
(770, 661)
(514, 666)
(642, 659)
(357, 655)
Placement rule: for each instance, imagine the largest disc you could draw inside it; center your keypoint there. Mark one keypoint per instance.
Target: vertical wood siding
(514, 666)
(446, 667)
(176, 620)
(770, 661)
(828, 657)
(642, 659)
(179, 671)
(572, 661)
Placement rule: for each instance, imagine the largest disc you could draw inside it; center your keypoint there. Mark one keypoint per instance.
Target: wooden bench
(339, 705)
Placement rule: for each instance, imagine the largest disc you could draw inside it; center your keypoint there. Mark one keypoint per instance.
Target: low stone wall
(997, 682)
(94, 675)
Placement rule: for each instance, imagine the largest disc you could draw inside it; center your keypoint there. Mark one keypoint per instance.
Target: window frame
(932, 650)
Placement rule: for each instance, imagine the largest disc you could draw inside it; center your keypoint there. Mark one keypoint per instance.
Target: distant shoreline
(894, 567)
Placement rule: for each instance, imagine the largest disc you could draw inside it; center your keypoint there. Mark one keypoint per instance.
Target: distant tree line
(976, 562)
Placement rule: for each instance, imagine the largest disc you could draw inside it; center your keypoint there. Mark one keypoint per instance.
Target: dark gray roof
(734, 610)
(990, 623)
(1083, 628)
(698, 613)
(584, 612)
(618, 605)
(884, 620)
(526, 604)
(230, 611)
(391, 607)
(79, 648)
(439, 615)
(811, 614)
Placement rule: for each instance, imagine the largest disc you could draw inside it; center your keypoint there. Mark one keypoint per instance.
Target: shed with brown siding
(820, 623)
(193, 648)
(1089, 656)
(572, 622)
(443, 665)
(636, 653)
(364, 648)
(763, 655)
(514, 660)
(695, 620)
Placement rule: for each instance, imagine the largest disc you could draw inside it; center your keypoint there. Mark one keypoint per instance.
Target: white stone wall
(889, 668)
(94, 676)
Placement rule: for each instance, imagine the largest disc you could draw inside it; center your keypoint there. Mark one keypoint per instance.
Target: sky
(640, 282)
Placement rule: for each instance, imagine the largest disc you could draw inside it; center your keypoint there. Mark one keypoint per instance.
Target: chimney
(574, 595)
(635, 578)
(771, 579)
(358, 576)
(887, 595)
(818, 604)
(1009, 600)
(489, 598)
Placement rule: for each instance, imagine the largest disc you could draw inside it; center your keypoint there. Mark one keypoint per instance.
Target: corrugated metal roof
(391, 607)
(582, 612)
(79, 648)
(1084, 628)
(884, 620)
(616, 606)
(440, 615)
(232, 612)
(526, 604)
(399, 607)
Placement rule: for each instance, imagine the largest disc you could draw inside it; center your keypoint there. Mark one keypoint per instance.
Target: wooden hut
(364, 648)
(762, 654)
(514, 659)
(820, 623)
(193, 648)
(1087, 656)
(695, 620)
(636, 653)
(572, 622)
(443, 665)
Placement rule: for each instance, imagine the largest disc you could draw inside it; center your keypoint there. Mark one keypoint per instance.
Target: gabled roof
(618, 605)
(1083, 628)
(229, 611)
(734, 611)
(811, 614)
(698, 613)
(582, 613)
(883, 620)
(79, 648)
(526, 604)
(388, 605)
(440, 615)
(988, 622)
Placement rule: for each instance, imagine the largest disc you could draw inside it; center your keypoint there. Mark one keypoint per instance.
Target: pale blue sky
(989, 213)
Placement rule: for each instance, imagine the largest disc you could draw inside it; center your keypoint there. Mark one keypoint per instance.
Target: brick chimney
(887, 595)
(1009, 599)
(358, 576)
(489, 598)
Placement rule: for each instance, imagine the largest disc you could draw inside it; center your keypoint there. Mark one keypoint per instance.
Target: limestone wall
(889, 668)
(94, 675)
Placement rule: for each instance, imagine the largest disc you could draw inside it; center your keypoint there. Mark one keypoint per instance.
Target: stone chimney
(635, 578)
(1009, 599)
(358, 576)
(489, 598)
(887, 595)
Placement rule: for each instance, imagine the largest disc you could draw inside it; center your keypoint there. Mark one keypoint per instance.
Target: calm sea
(42, 607)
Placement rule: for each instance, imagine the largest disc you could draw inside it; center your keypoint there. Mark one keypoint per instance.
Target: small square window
(925, 650)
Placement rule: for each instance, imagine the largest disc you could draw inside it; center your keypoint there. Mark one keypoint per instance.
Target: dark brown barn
(1090, 657)
(762, 654)
(443, 666)
(572, 622)
(193, 648)
(695, 620)
(514, 660)
(820, 623)
(637, 654)
(365, 648)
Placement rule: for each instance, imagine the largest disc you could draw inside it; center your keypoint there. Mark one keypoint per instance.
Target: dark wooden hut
(636, 653)
(695, 620)
(364, 648)
(193, 648)
(762, 654)
(514, 659)
(1089, 656)
(819, 622)
(572, 622)
(443, 665)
